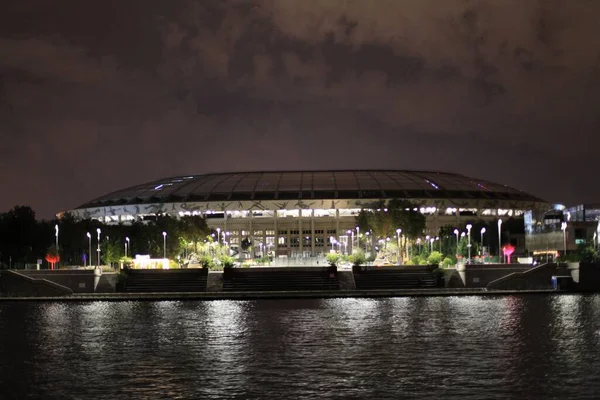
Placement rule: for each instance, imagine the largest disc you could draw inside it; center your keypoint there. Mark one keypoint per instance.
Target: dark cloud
(99, 95)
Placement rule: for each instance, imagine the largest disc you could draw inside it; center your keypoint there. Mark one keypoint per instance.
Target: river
(530, 346)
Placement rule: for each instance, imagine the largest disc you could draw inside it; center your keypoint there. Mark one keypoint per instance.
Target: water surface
(535, 346)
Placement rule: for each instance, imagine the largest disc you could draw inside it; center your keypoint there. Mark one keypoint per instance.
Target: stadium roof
(359, 184)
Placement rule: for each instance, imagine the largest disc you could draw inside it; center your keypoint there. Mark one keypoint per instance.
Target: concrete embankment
(280, 295)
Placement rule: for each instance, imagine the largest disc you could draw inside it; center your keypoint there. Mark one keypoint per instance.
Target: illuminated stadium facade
(295, 213)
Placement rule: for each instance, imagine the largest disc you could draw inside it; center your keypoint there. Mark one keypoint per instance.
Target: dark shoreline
(212, 296)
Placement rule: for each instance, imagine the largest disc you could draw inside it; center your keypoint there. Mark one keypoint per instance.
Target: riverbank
(212, 296)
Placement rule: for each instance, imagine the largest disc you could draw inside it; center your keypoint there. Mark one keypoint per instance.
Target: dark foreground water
(539, 347)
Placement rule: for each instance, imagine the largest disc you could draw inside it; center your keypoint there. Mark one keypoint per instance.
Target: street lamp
(357, 238)
(367, 242)
(563, 227)
(164, 244)
(126, 245)
(469, 226)
(56, 234)
(332, 241)
(499, 240)
(431, 240)
(398, 233)
(351, 236)
(89, 261)
(98, 249)
(219, 235)
(482, 232)
(456, 233)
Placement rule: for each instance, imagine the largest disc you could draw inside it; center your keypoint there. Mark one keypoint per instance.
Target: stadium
(295, 213)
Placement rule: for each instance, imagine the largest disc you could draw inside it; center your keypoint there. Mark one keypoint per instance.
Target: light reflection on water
(439, 347)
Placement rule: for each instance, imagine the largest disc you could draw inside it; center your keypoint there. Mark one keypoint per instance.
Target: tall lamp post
(164, 244)
(218, 236)
(358, 238)
(499, 240)
(456, 233)
(126, 245)
(98, 231)
(482, 232)
(56, 234)
(398, 233)
(469, 226)
(563, 227)
(89, 261)
(350, 236)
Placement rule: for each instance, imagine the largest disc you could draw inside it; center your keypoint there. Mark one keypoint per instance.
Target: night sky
(100, 95)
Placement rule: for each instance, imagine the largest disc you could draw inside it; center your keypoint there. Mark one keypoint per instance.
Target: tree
(384, 218)
(18, 236)
(111, 251)
(52, 256)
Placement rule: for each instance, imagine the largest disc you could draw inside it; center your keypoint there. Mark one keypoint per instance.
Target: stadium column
(337, 223)
(300, 234)
(312, 233)
(436, 219)
(275, 233)
(251, 233)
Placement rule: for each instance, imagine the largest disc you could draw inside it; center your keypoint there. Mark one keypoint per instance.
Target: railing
(513, 275)
(32, 284)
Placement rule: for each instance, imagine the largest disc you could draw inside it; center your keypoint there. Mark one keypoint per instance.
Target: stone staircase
(173, 280)
(386, 278)
(280, 279)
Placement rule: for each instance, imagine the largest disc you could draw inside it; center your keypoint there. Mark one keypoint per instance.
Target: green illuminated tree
(384, 218)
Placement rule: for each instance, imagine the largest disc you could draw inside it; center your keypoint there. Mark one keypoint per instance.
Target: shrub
(416, 260)
(127, 262)
(423, 262)
(447, 262)
(265, 260)
(227, 261)
(435, 258)
(206, 262)
(358, 258)
(122, 276)
(332, 259)
(438, 275)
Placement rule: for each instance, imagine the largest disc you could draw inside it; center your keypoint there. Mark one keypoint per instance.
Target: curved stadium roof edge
(311, 184)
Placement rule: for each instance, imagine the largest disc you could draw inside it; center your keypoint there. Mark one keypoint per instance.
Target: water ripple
(460, 347)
